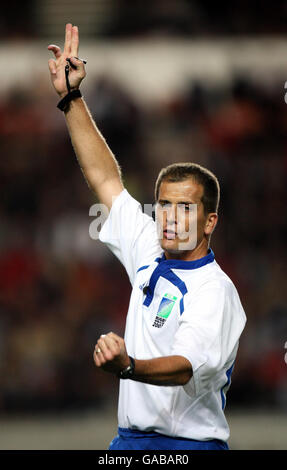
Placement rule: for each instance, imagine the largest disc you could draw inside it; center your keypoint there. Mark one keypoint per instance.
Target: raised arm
(96, 160)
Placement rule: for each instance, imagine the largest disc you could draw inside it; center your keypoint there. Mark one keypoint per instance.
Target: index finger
(68, 39)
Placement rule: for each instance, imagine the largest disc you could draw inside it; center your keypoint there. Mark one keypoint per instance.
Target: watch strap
(129, 371)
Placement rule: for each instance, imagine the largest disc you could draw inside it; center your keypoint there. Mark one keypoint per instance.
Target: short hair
(177, 172)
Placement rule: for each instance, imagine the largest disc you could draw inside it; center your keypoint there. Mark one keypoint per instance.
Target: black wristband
(63, 104)
(129, 371)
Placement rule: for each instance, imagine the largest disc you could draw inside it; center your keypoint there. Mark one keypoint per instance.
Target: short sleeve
(130, 234)
(208, 333)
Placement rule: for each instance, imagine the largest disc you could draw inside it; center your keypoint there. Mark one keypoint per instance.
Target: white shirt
(191, 309)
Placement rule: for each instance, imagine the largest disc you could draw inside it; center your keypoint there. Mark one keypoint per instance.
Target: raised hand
(57, 65)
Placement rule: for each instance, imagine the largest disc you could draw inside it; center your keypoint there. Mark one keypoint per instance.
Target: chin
(170, 246)
(177, 248)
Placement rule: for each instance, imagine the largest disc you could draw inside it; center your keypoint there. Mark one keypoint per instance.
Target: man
(185, 317)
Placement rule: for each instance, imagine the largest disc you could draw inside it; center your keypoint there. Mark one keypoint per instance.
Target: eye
(165, 204)
(184, 207)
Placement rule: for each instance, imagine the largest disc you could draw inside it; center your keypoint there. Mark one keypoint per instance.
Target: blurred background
(167, 82)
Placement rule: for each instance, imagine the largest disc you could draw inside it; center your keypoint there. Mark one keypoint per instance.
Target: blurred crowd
(126, 18)
(59, 289)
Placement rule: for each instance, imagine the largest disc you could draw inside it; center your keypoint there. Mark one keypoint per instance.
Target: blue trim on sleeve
(226, 385)
(181, 306)
(142, 267)
(157, 260)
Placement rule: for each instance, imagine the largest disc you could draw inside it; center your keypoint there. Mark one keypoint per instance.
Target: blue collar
(164, 270)
(179, 264)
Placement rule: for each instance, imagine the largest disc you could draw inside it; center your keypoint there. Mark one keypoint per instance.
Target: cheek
(190, 222)
(201, 225)
(159, 217)
(193, 223)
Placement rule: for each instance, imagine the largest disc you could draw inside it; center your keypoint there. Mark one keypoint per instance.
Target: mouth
(169, 234)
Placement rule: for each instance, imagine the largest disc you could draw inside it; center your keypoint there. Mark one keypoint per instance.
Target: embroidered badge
(164, 310)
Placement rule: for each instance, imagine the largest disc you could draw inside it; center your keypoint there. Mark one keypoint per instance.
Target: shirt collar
(179, 264)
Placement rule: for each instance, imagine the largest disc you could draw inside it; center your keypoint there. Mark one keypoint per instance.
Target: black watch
(129, 371)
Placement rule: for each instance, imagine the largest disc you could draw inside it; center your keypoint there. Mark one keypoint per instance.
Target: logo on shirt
(164, 310)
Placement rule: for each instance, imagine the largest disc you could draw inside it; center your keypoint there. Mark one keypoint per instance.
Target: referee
(185, 317)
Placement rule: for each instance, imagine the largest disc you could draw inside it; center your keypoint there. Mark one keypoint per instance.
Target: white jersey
(191, 309)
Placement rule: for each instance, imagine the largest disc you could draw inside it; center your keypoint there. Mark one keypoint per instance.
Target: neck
(198, 252)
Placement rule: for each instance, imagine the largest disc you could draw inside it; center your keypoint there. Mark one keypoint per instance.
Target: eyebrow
(164, 201)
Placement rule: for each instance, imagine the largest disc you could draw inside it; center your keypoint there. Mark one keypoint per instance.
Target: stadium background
(167, 81)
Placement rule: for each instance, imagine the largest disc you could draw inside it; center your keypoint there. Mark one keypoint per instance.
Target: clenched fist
(110, 353)
(57, 65)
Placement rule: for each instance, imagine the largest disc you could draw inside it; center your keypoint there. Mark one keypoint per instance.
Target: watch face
(127, 372)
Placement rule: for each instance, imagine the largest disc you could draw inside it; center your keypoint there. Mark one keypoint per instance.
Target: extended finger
(56, 50)
(75, 41)
(68, 39)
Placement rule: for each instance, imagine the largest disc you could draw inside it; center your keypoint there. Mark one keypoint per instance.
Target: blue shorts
(130, 439)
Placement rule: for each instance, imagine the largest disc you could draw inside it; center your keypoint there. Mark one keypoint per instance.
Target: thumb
(76, 62)
(79, 64)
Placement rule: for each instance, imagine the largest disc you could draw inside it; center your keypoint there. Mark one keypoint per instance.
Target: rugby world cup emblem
(164, 310)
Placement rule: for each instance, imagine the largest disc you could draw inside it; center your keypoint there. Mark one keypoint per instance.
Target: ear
(210, 223)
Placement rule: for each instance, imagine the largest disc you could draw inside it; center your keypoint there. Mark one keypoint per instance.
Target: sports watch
(129, 371)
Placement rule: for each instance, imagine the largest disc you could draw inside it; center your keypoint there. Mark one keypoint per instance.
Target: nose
(171, 215)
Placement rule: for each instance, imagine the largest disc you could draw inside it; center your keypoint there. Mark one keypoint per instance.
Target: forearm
(96, 160)
(168, 370)
(94, 156)
(111, 355)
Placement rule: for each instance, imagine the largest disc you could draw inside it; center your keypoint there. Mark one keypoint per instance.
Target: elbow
(184, 378)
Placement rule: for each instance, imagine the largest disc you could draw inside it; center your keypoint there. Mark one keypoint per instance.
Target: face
(182, 224)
